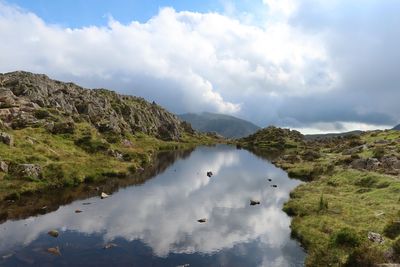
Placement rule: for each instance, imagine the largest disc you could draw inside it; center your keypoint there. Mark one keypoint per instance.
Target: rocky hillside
(272, 138)
(32, 100)
(55, 134)
(397, 127)
(225, 125)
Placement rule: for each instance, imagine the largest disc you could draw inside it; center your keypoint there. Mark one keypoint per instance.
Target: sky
(312, 65)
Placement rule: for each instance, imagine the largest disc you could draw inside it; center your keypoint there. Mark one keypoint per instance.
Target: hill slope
(397, 127)
(225, 125)
(56, 134)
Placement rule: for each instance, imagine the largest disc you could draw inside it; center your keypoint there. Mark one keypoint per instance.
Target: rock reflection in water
(155, 224)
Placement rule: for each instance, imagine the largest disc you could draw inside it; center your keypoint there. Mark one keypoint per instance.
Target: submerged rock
(55, 251)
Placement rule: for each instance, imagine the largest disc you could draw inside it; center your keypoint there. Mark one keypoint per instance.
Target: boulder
(375, 237)
(116, 154)
(366, 164)
(63, 127)
(6, 138)
(353, 150)
(390, 163)
(3, 166)
(27, 170)
(103, 195)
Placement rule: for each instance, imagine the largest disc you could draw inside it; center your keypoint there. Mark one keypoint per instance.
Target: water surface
(155, 223)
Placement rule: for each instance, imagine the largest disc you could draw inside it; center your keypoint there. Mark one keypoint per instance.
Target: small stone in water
(53, 233)
(78, 211)
(254, 202)
(202, 220)
(104, 195)
(109, 245)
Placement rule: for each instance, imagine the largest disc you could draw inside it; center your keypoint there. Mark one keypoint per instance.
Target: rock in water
(55, 251)
(103, 195)
(209, 174)
(53, 233)
(203, 220)
(274, 185)
(109, 245)
(254, 202)
(78, 211)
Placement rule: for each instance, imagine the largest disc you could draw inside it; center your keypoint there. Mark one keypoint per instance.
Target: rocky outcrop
(32, 100)
(26, 170)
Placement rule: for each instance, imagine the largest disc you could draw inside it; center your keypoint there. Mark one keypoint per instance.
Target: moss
(392, 229)
(346, 237)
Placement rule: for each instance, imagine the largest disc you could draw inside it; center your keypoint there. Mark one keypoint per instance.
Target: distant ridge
(397, 127)
(225, 125)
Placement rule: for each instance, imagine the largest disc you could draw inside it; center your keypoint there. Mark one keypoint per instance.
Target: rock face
(28, 99)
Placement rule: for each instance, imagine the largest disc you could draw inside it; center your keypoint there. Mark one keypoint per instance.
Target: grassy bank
(339, 206)
(84, 155)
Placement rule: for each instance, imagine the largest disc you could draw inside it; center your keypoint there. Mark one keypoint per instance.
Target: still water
(155, 223)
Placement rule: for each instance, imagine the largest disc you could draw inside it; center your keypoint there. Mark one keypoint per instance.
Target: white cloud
(184, 60)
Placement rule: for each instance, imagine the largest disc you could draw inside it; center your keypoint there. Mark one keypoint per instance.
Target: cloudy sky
(312, 65)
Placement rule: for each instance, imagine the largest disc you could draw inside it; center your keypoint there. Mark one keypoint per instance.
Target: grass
(338, 206)
(73, 158)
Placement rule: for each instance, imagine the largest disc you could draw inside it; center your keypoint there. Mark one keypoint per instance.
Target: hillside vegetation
(348, 212)
(55, 134)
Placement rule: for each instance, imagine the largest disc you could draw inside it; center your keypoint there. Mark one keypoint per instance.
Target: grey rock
(354, 150)
(3, 166)
(375, 237)
(6, 138)
(390, 163)
(27, 170)
(366, 164)
(116, 154)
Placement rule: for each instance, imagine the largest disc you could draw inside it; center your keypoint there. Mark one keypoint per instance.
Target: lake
(155, 222)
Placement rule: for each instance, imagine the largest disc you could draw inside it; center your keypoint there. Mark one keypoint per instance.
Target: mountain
(225, 125)
(396, 127)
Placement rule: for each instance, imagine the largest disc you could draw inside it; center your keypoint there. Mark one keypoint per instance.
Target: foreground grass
(350, 204)
(82, 156)
(338, 207)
